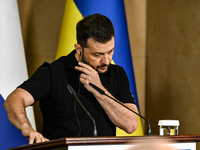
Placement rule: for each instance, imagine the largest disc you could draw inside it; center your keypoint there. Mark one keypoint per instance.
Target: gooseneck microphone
(103, 93)
(71, 90)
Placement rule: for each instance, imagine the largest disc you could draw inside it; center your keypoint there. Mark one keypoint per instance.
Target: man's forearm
(15, 106)
(118, 114)
(16, 112)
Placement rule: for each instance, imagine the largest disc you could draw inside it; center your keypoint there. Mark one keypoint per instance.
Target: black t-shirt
(62, 114)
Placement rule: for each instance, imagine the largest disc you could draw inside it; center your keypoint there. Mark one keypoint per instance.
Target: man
(90, 62)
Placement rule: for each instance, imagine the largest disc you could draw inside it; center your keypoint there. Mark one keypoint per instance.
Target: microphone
(71, 90)
(103, 93)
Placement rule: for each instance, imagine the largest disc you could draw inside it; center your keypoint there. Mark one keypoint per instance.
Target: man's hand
(88, 75)
(32, 135)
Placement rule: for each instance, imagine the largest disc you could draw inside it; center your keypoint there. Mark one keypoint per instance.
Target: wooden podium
(107, 143)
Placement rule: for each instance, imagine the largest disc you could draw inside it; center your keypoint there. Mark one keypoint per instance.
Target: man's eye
(110, 52)
(97, 55)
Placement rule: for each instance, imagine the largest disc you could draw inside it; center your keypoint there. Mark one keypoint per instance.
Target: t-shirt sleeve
(38, 85)
(124, 93)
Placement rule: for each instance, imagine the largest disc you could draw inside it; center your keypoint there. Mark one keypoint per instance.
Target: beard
(83, 59)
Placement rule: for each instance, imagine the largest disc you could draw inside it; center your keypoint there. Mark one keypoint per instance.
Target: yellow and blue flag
(75, 10)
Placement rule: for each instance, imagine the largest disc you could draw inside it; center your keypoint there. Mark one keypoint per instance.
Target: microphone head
(71, 90)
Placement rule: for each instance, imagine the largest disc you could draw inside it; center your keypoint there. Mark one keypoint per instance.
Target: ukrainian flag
(75, 10)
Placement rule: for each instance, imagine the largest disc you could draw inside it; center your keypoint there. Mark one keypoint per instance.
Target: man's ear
(78, 48)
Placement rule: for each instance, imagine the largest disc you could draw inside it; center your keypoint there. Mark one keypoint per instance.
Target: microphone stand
(71, 90)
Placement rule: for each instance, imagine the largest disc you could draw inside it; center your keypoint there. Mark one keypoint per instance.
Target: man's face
(98, 55)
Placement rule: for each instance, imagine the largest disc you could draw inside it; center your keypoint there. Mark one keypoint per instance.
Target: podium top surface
(64, 142)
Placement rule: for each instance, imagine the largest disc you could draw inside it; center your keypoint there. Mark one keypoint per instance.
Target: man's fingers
(43, 139)
(86, 77)
(37, 138)
(85, 65)
(34, 139)
(31, 140)
(82, 69)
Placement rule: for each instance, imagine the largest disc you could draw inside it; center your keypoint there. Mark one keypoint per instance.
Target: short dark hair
(96, 26)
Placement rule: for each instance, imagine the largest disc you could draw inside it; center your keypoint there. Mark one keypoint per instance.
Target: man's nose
(105, 59)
